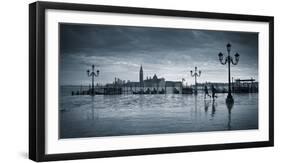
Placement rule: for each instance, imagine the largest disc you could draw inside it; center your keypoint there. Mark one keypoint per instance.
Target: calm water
(115, 115)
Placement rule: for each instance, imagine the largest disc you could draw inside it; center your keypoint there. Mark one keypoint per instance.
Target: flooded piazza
(116, 115)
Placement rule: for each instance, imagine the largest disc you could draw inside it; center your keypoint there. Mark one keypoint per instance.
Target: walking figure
(206, 92)
(214, 92)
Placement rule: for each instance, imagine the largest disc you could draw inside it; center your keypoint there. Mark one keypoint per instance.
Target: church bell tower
(141, 77)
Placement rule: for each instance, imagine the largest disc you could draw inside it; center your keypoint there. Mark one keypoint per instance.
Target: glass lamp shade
(237, 57)
(228, 47)
(220, 56)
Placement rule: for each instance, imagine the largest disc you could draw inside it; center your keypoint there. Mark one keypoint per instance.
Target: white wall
(14, 80)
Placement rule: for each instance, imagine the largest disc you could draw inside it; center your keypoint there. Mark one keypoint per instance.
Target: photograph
(117, 80)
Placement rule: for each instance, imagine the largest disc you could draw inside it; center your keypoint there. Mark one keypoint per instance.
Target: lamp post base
(229, 99)
(92, 92)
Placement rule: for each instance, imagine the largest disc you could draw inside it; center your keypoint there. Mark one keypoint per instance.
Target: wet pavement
(116, 115)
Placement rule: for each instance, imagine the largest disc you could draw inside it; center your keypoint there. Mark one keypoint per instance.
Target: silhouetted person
(206, 92)
(214, 92)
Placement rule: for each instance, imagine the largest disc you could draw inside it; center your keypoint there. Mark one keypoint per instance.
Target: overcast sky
(118, 51)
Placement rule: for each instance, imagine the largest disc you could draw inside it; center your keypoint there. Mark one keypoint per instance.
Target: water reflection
(141, 98)
(214, 105)
(92, 110)
(229, 106)
(206, 105)
(195, 104)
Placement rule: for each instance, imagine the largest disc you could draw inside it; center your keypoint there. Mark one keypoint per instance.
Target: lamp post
(195, 75)
(228, 59)
(182, 82)
(93, 74)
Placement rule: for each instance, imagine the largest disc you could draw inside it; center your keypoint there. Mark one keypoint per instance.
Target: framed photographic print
(118, 81)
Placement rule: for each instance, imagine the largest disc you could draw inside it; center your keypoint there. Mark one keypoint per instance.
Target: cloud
(118, 51)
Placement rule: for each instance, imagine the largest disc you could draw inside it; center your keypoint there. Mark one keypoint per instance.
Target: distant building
(154, 82)
(173, 84)
(245, 86)
(141, 78)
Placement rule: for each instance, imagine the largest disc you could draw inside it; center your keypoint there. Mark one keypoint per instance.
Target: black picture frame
(37, 80)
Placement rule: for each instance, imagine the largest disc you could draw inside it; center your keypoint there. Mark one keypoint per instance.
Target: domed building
(153, 84)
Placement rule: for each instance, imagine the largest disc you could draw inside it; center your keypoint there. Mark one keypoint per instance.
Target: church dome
(155, 77)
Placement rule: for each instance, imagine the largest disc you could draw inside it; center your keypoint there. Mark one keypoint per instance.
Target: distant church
(149, 82)
(141, 78)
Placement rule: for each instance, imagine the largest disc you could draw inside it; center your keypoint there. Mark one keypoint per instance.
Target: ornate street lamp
(195, 75)
(93, 74)
(228, 59)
